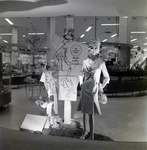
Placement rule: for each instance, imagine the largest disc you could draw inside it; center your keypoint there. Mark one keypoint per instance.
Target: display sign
(34, 123)
(68, 88)
(68, 55)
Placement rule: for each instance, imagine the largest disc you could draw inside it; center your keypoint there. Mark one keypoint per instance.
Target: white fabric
(49, 82)
(49, 109)
(97, 66)
(50, 85)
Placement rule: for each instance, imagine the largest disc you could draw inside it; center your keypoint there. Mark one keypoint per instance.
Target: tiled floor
(122, 119)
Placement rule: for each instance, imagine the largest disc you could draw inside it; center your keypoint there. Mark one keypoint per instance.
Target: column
(14, 39)
(69, 22)
(67, 104)
(50, 35)
(124, 37)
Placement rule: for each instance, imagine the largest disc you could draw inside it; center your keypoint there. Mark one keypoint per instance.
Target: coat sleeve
(42, 79)
(81, 74)
(105, 74)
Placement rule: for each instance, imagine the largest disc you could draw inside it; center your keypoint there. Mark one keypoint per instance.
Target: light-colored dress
(50, 85)
(91, 71)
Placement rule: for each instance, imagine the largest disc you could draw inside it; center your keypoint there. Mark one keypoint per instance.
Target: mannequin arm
(106, 76)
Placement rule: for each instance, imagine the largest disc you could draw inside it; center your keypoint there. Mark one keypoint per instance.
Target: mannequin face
(93, 48)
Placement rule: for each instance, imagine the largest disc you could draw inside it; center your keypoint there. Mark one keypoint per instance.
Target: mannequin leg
(91, 124)
(85, 124)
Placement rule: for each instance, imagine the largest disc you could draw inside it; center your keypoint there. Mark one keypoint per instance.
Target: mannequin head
(94, 46)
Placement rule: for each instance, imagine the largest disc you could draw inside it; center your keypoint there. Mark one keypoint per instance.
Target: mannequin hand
(101, 88)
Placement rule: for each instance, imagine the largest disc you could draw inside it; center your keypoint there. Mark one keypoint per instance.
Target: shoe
(83, 137)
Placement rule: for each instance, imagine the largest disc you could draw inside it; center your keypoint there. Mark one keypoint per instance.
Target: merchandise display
(5, 86)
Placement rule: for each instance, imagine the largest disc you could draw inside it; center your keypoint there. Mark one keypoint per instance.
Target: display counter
(5, 90)
(126, 84)
(18, 80)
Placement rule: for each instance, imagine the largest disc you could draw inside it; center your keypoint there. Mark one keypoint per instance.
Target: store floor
(122, 119)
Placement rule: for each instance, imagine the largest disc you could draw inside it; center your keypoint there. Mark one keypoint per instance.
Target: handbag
(102, 98)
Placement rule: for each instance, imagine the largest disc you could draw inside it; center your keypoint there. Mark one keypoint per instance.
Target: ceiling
(31, 16)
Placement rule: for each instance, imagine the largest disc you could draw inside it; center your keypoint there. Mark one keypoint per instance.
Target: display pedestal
(67, 112)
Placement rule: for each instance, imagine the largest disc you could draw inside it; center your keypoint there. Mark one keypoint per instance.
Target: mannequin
(89, 79)
(50, 85)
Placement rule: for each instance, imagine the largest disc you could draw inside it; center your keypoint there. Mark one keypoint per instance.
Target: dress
(50, 85)
(91, 71)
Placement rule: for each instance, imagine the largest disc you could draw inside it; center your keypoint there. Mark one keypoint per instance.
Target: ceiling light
(104, 47)
(84, 42)
(11, 23)
(113, 35)
(104, 40)
(88, 28)
(138, 32)
(145, 43)
(32, 33)
(125, 16)
(114, 24)
(5, 33)
(35, 33)
(40, 33)
(82, 35)
(5, 41)
(133, 40)
(135, 46)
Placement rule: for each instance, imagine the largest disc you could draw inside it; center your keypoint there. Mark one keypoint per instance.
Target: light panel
(9, 21)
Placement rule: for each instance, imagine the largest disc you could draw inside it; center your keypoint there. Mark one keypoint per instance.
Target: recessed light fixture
(125, 16)
(104, 47)
(88, 29)
(5, 33)
(9, 21)
(133, 40)
(82, 35)
(114, 24)
(5, 41)
(135, 46)
(105, 40)
(35, 33)
(138, 32)
(113, 35)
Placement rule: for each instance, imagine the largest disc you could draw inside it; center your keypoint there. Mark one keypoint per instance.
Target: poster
(68, 88)
(68, 55)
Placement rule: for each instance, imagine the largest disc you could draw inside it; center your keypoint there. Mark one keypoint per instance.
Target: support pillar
(124, 37)
(67, 104)
(50, 35)
(14, 39)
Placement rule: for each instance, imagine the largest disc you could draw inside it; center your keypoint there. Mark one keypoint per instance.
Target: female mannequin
(89, 79)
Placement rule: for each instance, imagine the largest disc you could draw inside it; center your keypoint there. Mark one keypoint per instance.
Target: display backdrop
(69, 55)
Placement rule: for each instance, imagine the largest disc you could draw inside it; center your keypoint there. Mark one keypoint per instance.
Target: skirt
(86, 103)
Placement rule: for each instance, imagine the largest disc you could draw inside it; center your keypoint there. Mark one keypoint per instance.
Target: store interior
(26, 50)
